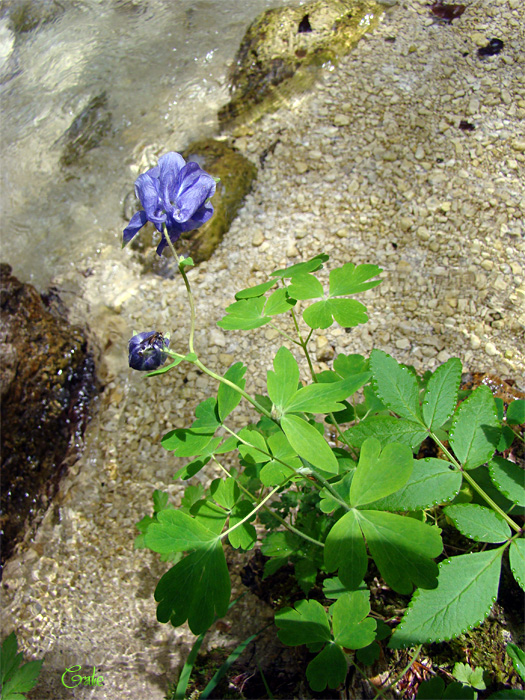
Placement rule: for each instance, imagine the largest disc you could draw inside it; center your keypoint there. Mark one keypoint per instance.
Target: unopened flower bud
(147, 350)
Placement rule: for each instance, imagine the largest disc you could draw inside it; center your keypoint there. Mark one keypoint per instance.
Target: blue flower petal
(147, 190)
(137, 221)
(194, 187)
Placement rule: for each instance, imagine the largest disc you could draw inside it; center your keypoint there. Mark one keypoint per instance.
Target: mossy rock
(236, 175)
(283, 47)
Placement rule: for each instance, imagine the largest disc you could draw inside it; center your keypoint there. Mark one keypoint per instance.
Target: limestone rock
(283, 46)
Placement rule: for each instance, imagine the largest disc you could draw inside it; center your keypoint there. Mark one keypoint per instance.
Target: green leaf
(318, 315)
(225, 492)
(350, 279)
(23, 680)
(176, 531)
(185, 442)
(282, 384)
(387, 429)
(160, 500)
(517, 561)
(305, 286)
(347, 312)
(441, 395)
(395, 385)
(206, 417)
(315, 263)
(275, 472)
(369, 655)
(324, 398)
(518, 659)
(329, 667)
(380, 473)
(306, 624)
(512, 694)
(166, 368)
(345, 550)
(309, 444)
(475, 429)
(334, 588)
(280, 544)
(431, 689)
(210, 515)
(256, 451)
(245, 314)
(508, 478)
(256, 291)
(346, 365)
(352, 628)
(478, 523)
(402, 549)
(516, 412)
(10, 659)
(432, 481)
(196, 589)
(467, 588)
(227, 397)
(278, 303)
(244, 536)
(469, 676)
(305, 574)
(328, 503)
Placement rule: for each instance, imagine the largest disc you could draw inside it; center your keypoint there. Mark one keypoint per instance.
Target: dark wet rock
(447, 12)
(491, 49)
(466, 126)
(86, 131)
(283, 47)
(236, 175)
(46, 383)
(26, 15)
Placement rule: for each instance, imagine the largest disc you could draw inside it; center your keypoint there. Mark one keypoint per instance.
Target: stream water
(162, 67)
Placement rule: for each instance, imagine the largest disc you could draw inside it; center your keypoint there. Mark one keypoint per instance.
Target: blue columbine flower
(173, 193)
(147, 350)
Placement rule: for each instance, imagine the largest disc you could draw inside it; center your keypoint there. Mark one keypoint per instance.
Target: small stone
(403, 344)
(420, 153)
(271, 333)
(258, 238)
(291, 250)
(341, 233)
(226, 359)
(487, 264)
(506, 97)
(405, 223)
(475, 342)
(300, 166)
(491, 349)
(473, 106)
(479, 39)
(341, 120)
(518, 145)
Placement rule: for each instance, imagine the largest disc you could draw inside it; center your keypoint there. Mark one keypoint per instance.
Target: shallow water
(163, 66)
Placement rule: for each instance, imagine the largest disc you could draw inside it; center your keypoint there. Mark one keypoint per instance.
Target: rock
(237, 174)
(86, 131)
(26, 15)
(46, 383)
(283, 46)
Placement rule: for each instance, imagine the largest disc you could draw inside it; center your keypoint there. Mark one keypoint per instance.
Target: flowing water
(161, 67)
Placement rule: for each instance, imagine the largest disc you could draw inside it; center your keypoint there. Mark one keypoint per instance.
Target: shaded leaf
(516, 412)
(380, 472)
(307, 623)
(351, 626)
(467, 587)
(227, 397)
(508, 478)
(387, 429)
(517, 561)
(478, 523)
(329, 667)
(345, 550)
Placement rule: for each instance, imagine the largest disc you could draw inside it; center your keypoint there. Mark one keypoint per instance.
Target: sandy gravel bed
(370, 166)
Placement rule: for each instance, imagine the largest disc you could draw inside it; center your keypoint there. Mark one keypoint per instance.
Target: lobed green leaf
(306, 624)
(324, 398)
(350, 279)
(329, 667)
(282, 383)
(345, 550)
(351, 626)
(380, 472)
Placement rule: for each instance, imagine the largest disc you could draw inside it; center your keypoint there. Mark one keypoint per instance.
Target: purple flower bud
(175, 194)
(147, 351)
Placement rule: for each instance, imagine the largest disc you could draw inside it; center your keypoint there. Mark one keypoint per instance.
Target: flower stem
(249, 516)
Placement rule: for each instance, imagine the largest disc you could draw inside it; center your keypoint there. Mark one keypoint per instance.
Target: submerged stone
(86, 131)
(46, 384)
(283, 47)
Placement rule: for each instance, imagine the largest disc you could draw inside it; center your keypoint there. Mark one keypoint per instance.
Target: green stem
(283, 333)
(249, 516)
(475, 485)
(223, 380)
(269, 510)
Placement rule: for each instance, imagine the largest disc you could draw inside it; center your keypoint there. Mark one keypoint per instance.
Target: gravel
(370, 166)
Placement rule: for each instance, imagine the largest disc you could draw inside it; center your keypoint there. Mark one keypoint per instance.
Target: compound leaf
(245, 314)
(508, 478)
(387, 429)
(318, 315)
(305, 286)
(278, 303)
(176, 531)
(345, 550)
(227, 397)
(432, 481)
(478, 523)
(350, 279)
(395, 385)
(403, 549)
(307, 623)
(329, 667)
(282, 383)
(517, 561)
(196, 589)
(352, 628)
(467, 587)
(309, 444)
(441, 395)
(475, 429)
(380, 473)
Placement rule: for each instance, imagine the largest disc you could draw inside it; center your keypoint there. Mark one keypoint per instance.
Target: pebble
(341, 120)
(491, 349)
(258, 238)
